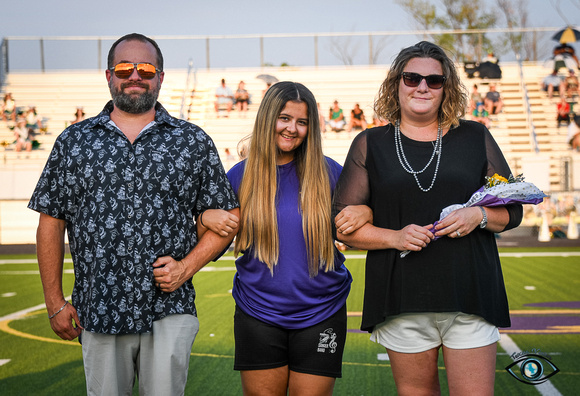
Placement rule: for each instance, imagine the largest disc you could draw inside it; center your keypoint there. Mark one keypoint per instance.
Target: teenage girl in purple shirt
(291, 284)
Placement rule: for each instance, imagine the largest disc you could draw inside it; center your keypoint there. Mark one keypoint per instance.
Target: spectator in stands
(490, 57)
(552, 83)
(402, 173)
(574, 133)
(573, 137)
(480, 114)
(475, 98)
(322, 120)
(111, 182)
(22, 135)
(242, 97)
(571, 87)
(224, 97)
(33, 122)
(291, 286)
(79, 115)
(357, 119)
(493, 101)
(268, 85)
(563, 112)
(487, 69)
(336, 118)
(9, 108)
(562, 51)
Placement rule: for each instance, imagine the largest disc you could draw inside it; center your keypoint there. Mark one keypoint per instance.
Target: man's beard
(134, 103)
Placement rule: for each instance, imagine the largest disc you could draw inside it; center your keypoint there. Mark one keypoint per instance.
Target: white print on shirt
(327, 341)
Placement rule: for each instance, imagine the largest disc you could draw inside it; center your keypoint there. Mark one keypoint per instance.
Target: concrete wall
(18, 183)
(17, 223)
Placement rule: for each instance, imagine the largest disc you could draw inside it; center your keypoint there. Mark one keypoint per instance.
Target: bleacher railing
(254, 50)
(189, 90)
(528, 107)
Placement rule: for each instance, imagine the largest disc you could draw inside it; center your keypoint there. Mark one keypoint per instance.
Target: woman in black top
(447, 294)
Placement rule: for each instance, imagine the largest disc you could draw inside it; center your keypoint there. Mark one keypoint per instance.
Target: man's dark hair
(135, 37)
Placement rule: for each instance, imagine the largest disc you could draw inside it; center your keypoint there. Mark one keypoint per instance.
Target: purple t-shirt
(290, 298)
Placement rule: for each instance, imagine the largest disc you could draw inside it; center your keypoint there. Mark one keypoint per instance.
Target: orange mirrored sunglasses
(125, 69)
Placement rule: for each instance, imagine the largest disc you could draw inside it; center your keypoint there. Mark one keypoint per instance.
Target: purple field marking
(544, 323)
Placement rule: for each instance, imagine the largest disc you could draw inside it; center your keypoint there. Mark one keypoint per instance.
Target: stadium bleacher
(56, 95)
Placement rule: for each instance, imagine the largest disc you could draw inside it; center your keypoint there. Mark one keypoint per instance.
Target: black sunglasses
(125, 69)
(434, 81)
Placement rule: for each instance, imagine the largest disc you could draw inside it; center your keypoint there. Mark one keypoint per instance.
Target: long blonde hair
(257, 192)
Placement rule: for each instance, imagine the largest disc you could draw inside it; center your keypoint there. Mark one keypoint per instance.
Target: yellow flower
(495, 180)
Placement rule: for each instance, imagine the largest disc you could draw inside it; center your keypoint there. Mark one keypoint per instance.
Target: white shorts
(420, 332)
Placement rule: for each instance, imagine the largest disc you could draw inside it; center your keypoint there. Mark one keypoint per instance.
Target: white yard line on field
(348, 256)
(24, 312)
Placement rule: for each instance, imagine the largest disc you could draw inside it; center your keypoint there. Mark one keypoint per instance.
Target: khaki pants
(160, 359)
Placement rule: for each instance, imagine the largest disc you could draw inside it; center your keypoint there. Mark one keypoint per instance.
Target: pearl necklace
(405, 164)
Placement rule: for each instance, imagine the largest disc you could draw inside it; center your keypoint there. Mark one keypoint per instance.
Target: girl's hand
(219, 221)
(352, 218)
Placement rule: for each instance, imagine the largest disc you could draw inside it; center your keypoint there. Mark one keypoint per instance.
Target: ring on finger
(458, 234)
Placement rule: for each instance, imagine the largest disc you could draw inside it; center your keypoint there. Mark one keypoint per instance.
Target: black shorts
(314, 350)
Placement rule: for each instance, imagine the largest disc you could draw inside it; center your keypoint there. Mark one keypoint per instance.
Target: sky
(222, 17)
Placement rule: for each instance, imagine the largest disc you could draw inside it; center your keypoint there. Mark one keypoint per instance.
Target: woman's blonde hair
(257, 192)
(455, 96)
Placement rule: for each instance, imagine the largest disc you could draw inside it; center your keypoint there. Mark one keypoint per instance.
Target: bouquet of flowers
(497, 191)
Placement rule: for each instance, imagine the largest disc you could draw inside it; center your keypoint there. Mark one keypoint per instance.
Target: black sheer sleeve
(353, 186)
(496, 163)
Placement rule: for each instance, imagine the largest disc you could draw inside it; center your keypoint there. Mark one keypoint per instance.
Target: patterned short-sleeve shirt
(125, 205)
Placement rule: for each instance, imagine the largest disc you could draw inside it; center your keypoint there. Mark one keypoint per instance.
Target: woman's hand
(459, 223)
(219, 221)
(353, 217)
(413, 237)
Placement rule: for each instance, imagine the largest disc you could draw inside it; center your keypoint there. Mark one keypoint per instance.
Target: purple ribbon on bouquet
(498, 195)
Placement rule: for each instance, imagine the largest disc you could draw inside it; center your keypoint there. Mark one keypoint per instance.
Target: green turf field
(33, 361)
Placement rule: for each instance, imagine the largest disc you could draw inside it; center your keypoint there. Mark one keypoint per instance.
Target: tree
(377, 45)
(563, 14)
(457, 15)
(516, 15)
(344, 49)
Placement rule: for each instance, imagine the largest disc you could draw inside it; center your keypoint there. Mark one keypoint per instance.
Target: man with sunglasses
(126, 185)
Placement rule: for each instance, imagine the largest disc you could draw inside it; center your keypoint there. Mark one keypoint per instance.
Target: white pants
(160, 359)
